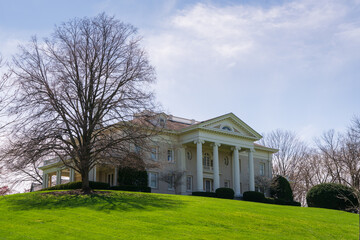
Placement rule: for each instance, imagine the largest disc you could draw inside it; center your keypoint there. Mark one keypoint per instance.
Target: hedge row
(131, 188)
(98, 185)
(260, 197)
(226, 193)
(78, 185)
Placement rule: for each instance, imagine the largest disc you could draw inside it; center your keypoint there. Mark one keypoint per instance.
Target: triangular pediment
(231, 124)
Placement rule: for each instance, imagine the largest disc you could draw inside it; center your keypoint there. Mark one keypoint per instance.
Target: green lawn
(122, 215)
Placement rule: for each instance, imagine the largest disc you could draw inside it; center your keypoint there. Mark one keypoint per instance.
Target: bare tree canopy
(287, 161)
(77, 92)
(291, 151)
(342, 155)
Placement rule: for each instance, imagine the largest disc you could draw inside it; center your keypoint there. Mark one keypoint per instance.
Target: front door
(208, 185)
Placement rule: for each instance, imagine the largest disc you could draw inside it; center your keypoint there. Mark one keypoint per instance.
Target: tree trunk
(85, 186)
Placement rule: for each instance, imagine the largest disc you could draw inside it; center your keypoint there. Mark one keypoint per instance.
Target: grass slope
(122, 215)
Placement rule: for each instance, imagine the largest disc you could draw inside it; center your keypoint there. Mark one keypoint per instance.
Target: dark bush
(131, 188)
(78, 185)
(132, 177)
(253, 196)
(283, 202)
(204, 194)
(280, 189)
(269, 200)
(332, 196)
(226, 193)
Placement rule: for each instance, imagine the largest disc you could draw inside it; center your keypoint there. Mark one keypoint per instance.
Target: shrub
(131, 188)
(253, 196)
(78, 185)
(226, 193)
(283, 202)
(204, 194)
(332, 196)
(132, 177)
(280, 189)
(269, 200)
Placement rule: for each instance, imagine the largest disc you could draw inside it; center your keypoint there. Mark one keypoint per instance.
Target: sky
(292, 65)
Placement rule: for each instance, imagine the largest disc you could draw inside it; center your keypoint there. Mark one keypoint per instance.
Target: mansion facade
(196, 156)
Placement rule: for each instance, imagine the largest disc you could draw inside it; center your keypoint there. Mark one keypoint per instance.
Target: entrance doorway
(208, 185)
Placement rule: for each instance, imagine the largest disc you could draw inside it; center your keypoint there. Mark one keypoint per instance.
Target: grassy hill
(121, 215)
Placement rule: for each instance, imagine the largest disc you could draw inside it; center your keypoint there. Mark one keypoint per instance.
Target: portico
(201, 159)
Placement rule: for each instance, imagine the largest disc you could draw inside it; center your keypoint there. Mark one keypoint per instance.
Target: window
(226, 161)
(227, 184)
(154, 153)
(226, 128)
(189, 155)
(207, 162)
(189, 183)
(153, 180)
(262, 169)
(110, 179)
(170, 155)
(162, 122)
(171, 182)
(137, 149)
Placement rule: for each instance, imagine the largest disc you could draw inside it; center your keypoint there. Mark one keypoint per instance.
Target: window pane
(170, 155)
(153, 180)
(153, 153)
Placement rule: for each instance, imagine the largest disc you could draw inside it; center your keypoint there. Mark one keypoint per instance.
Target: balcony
(208, 169)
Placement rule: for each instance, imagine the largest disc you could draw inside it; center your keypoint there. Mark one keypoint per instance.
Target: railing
(208, 168)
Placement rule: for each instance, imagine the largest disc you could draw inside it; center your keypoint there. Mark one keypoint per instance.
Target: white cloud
(283, 57)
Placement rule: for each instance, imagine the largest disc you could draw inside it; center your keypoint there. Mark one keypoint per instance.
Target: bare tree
(263, 182)
(342, 154)
(77, 93)
(287, 160)
(173, 178)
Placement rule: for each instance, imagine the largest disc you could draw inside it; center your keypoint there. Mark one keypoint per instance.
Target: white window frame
(189, 182)
(227, 182)
(207, 161)
(156, 180)
(154, 155)
(171, 179)
(170, 157)
(262, 169)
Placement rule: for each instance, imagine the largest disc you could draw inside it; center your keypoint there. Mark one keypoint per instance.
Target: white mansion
(219, 152)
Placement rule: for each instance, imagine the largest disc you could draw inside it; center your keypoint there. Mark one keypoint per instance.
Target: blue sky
(292, 65)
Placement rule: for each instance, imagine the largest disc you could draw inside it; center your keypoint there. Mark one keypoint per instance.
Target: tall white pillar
(199, 166)
(72, 175)
(58, 177)
(45, 180)
(182, 169)
(251, 170)
(236, 167)
(216, 165)
(94, 174)
(116, 176)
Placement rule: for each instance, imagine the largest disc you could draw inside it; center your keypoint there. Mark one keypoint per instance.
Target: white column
(72, 175)
(236, 167)
(216, 165)
(116, 176)
(182, 168)
(251, 170)
(94, 168)
(45, 180)
(199, 166)
(58, 177)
